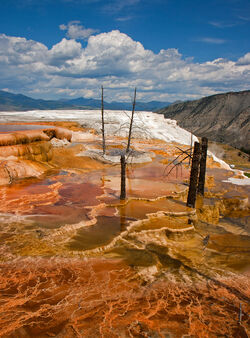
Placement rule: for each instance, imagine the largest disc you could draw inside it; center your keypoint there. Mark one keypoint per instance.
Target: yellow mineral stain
(178, 223)
(169, 255)
(139, 209)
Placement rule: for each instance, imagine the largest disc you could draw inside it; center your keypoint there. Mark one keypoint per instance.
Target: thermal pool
(78, 262)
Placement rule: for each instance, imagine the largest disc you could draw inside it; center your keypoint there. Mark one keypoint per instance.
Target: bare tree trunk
(203, 161)
(123, 178)
(191, 147)
(194, 176)
(103, 134)
(131, 122)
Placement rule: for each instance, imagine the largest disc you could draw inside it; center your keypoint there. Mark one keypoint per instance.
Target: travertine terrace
(78, 262)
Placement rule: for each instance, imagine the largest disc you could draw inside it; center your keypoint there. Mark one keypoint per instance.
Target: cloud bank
(117, 62)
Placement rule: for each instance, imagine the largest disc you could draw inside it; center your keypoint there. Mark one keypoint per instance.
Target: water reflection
(99, 234)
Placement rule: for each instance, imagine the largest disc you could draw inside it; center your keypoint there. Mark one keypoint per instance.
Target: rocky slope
(223, 117)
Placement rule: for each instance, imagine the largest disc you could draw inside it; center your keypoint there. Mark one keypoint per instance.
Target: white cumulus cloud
(117, 62)
(63, 51)
(244, 60)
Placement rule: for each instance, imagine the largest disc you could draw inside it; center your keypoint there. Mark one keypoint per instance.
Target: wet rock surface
(98, 266)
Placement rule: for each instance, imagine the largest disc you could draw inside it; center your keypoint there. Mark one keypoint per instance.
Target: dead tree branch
(103, 132)
(131, 122)
(123, 178)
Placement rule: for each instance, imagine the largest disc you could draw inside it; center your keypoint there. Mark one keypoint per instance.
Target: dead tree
(203, 161)
(198, 168)
(123, 178)
(191, 147)
(178, 161)
(131, 122)
(194, 176)
(123, 159)
(103, 133)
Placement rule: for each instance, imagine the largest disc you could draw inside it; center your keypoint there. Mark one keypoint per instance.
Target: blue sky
(169, 49)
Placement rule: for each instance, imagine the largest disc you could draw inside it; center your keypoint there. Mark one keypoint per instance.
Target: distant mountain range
(224, 117)
(19, 102)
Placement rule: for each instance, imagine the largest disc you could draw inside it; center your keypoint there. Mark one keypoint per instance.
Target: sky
(168, 49)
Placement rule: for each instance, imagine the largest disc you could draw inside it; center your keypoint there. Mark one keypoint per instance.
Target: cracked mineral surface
(76, 261)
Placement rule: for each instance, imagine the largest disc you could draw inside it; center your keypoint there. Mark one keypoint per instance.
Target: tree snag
(103, 134)
(203, 161)
(123, 178)
(191, 147)
(194, 176)
(131, 122)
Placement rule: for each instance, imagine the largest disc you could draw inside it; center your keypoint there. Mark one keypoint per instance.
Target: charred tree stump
(203, 161)
(194, 176)
(123, 178)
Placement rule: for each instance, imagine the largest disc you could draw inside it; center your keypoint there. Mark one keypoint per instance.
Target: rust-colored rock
(19, 169)
(21, 152)
(104, 298)
(37, 151)
(28, 136)
(166, 281)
